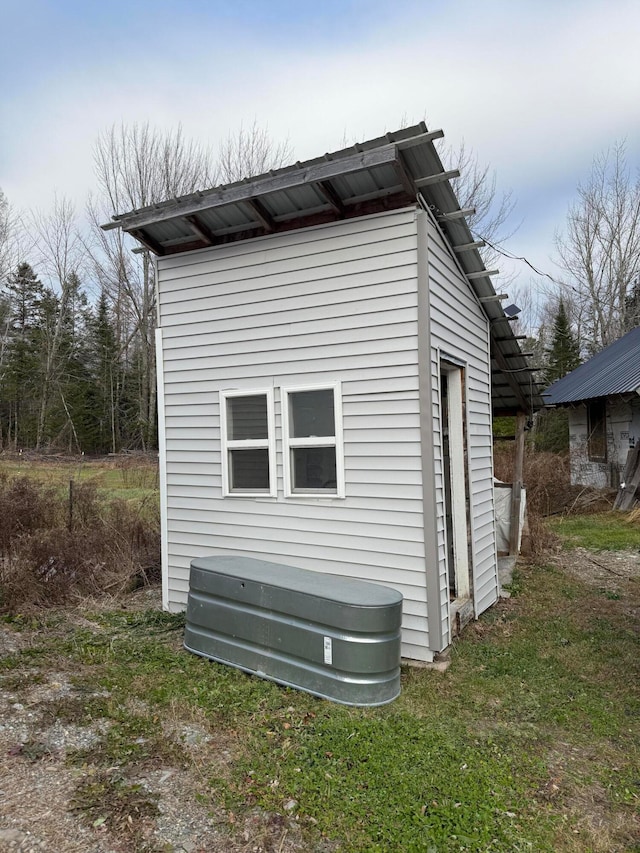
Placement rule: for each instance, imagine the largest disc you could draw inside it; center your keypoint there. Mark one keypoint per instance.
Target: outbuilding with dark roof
(603, 401)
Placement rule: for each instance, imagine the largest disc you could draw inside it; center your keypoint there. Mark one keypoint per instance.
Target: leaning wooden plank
(631, 480)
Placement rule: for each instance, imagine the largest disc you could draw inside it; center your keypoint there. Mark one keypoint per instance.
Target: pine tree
(563, 355)
(25, 293)
(20, 364)
(632, 314)
(70, 416)
(105, 369)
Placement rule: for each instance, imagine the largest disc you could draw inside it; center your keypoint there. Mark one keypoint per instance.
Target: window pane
(314, 468)
(247, 417)
(249, 469)
(312, 413)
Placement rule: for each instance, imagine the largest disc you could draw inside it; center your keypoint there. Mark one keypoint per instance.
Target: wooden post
(70, 506)
(516, 488)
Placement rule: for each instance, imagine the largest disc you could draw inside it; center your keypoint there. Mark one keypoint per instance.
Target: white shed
(326, 338)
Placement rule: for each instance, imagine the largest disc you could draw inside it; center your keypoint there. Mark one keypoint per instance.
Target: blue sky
(535, 88)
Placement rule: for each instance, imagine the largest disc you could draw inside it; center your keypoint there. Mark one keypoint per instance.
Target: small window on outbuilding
(248, 448)
(312, 434)
(597, 429)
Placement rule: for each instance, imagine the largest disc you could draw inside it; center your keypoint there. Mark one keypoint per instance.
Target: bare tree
(10, 233)
(8, 260)
(249, 152)
(61, 255)
(477, 188)
(600, 249)
(138, 165)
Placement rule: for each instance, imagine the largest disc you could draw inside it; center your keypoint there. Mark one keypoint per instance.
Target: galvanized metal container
(330, 636)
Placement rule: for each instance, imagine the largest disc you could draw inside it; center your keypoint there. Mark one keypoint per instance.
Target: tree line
(78, 305)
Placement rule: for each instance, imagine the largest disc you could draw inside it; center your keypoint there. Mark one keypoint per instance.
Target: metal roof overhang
(393, 171)
(613, 371)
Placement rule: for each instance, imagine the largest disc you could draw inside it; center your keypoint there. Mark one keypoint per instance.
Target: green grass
(391, 781)
(539, 708)
(125, 478)
(609, 531)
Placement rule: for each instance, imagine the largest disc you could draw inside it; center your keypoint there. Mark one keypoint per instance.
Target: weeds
(76, 710)
(25, 507)
(107, 799)
(134, 740)
(32, 750)
(137, 474)
(548, 482)
(549, 493)
(56, 545)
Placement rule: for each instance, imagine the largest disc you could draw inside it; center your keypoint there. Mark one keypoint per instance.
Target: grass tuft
(134, 740)
(106, 799)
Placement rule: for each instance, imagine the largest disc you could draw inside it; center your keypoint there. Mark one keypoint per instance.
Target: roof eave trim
(324, 171)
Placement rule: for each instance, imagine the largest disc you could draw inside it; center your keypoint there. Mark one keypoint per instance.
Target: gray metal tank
(330, 636)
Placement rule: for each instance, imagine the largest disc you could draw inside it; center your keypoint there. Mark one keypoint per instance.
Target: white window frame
(337, 441)
(247, 444)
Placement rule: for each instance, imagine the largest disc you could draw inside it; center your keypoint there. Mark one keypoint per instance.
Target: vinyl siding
(459, 330)
(336, 302)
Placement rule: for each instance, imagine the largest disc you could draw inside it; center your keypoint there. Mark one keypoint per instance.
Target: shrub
(547, 478)
(552, 431)
(25, 506)
(58, 545)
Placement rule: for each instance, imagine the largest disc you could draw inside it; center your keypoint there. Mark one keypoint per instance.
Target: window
(312, 441)
(248, 452)
(597, 428)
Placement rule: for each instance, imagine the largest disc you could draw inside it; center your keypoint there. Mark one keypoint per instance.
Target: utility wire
(504, 252)
(507, 254)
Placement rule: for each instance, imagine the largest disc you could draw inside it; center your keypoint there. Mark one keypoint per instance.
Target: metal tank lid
(327, 586)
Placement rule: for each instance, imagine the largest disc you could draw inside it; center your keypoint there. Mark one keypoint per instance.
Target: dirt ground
(37, 787)
(38, 790)
(610, 571)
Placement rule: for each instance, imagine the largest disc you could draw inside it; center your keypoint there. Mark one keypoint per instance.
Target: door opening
(456, 493)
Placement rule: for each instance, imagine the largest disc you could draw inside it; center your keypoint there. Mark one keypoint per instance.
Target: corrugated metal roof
(393, 171)
(615, 370)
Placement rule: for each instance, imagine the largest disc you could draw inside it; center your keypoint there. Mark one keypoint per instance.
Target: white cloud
(535, 88)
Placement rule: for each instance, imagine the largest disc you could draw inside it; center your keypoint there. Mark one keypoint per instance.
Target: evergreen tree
(25, 293)
(563, 355)
(20, 365)
(70, 416)
(632, 314)
(105, 390)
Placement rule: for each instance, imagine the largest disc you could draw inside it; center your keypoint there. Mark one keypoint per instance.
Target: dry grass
(55, 546)
(547, 479)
